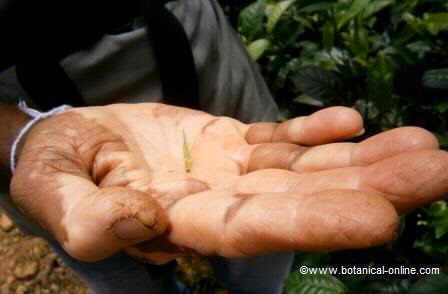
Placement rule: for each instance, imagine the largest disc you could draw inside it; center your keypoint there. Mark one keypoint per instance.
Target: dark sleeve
(56, 28)
(7, 33)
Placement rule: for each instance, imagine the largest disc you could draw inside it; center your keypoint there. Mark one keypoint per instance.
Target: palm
(332, 198)
(233, 189)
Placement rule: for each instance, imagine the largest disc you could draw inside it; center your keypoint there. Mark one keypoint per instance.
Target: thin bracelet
(36, 117)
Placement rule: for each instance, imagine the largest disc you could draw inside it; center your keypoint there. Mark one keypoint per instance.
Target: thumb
(90, 223)
(109, 220)
(67, 180)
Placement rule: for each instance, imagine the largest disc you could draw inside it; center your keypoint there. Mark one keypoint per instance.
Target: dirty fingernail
(132, 229)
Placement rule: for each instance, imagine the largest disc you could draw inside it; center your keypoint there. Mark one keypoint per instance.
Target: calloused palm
(107, 178)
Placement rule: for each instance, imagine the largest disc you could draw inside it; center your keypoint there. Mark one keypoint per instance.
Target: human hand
(82, 171)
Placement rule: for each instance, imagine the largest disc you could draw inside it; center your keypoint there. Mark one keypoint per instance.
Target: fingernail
(132, 229)
(360, 133)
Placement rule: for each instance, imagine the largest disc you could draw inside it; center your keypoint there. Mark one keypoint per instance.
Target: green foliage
(384, 287)
(436, 79)
(389, 60)
(252, 19)
(385, 57)
(434, 285)
(434, 239)
(257, 48)
(318, 284)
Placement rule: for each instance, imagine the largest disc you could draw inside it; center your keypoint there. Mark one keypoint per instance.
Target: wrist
(37, 117)
(12, 120)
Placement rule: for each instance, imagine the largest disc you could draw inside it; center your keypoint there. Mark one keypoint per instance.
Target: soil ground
(28, 265)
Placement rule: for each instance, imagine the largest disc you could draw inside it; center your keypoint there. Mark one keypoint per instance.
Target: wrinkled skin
(104, 179)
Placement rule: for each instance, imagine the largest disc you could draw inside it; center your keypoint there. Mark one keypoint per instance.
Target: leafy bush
(388, 59)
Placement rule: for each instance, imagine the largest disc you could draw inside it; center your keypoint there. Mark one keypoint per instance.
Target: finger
(408, 180)
(115, 166)
(327, 125)
(337, 155)
(110, 220)
(242, 225)
(53, 185)
(157, 251)
(169, 190)
(272, 155)
(280, 181)
(391, 143)
(373, 149)
(89, 222)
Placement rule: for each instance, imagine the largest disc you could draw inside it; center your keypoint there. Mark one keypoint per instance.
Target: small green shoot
(188, 161)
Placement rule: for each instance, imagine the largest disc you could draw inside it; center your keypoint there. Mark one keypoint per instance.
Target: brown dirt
(28, 265)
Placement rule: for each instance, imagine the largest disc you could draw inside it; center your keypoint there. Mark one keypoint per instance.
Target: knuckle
(115, 162)
(80, 249)
(260, 132)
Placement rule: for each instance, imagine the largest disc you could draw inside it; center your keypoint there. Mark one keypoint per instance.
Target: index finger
(233, 224)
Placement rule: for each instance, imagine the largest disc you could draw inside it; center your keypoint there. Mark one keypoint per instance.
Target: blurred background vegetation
(389, 60)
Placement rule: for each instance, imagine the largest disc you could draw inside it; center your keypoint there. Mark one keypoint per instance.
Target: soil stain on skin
(68, 150)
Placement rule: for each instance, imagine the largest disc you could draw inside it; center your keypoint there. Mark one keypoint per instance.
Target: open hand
(101, 179)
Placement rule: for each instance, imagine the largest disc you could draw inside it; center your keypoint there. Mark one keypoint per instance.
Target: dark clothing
(110, 60)
(120, 67)
(104, 50)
